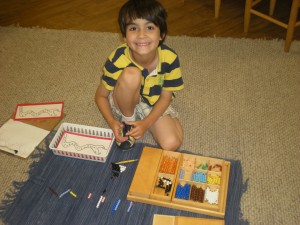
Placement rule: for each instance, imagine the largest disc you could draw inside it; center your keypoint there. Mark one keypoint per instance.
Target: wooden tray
(182, 220)
(152, 166)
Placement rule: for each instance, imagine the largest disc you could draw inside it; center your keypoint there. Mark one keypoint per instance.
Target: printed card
(84, 144)
(39, 111)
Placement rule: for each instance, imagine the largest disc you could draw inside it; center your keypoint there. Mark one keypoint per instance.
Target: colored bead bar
(215, 167)
(181, 175)
(183, 192)
(202, 166)
(213, 179)
(199, 177)
(168, 165)
(211, 196)
(188, 163)
(197, 194)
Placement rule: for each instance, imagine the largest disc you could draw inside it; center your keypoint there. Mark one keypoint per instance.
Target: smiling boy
(140, 78)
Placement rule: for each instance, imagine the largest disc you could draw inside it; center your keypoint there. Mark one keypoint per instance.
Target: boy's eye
(150, 27)
(131, 28)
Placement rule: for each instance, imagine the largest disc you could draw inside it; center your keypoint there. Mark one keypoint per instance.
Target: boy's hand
(116, 127)
(138, 130)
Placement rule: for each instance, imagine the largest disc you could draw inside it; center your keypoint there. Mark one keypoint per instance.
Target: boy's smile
(142, 37)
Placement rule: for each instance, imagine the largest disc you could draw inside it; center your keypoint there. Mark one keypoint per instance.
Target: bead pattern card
(39, 111)
(84, 144)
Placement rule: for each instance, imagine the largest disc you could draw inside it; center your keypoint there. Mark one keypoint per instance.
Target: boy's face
(142, 37)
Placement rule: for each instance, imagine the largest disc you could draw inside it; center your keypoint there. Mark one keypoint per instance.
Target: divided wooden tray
(181, 181)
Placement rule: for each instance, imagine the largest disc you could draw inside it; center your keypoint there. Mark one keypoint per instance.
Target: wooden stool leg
(291, 25)
(217, 8)
(247, 15)
(272, 7)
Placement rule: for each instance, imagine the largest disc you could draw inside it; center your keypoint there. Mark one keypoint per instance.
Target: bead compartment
(203, 176)
(166, 176)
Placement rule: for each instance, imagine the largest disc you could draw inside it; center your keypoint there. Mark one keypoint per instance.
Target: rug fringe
(244, 189)
(11, 195)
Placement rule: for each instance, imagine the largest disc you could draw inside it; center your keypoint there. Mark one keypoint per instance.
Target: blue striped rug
(34, 204)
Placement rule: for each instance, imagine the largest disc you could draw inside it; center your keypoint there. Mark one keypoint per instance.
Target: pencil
(127, 161)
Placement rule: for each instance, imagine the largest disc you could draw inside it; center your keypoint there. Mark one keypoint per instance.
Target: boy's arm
(101, 98)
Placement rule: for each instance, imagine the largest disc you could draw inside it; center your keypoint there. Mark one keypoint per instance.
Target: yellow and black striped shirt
(168, 75)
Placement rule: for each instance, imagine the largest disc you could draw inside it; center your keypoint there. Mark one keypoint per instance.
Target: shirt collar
(154, 72)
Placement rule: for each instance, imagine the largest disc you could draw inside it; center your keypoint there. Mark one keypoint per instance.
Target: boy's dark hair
(150, 10)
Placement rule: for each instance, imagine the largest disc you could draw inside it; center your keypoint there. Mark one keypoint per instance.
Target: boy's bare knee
(171, 143)
(130, 77)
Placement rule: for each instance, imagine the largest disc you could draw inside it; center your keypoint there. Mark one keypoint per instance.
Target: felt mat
(35, 204)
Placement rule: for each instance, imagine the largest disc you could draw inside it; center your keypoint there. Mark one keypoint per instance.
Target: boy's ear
(163, 36)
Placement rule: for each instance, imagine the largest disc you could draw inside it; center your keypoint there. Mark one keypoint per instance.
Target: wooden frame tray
(157, 169)
(182, 220)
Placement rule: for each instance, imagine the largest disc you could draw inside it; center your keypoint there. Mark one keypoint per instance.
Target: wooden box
(182, 220)
(181, 181)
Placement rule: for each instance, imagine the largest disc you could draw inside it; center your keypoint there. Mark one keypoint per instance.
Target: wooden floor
(186, 17)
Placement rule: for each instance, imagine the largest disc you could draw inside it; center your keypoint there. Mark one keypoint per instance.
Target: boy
(139, 79)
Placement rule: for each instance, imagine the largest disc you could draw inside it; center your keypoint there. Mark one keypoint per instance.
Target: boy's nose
(141, 33)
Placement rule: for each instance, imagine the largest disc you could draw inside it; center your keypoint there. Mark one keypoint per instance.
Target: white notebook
(19, 138)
